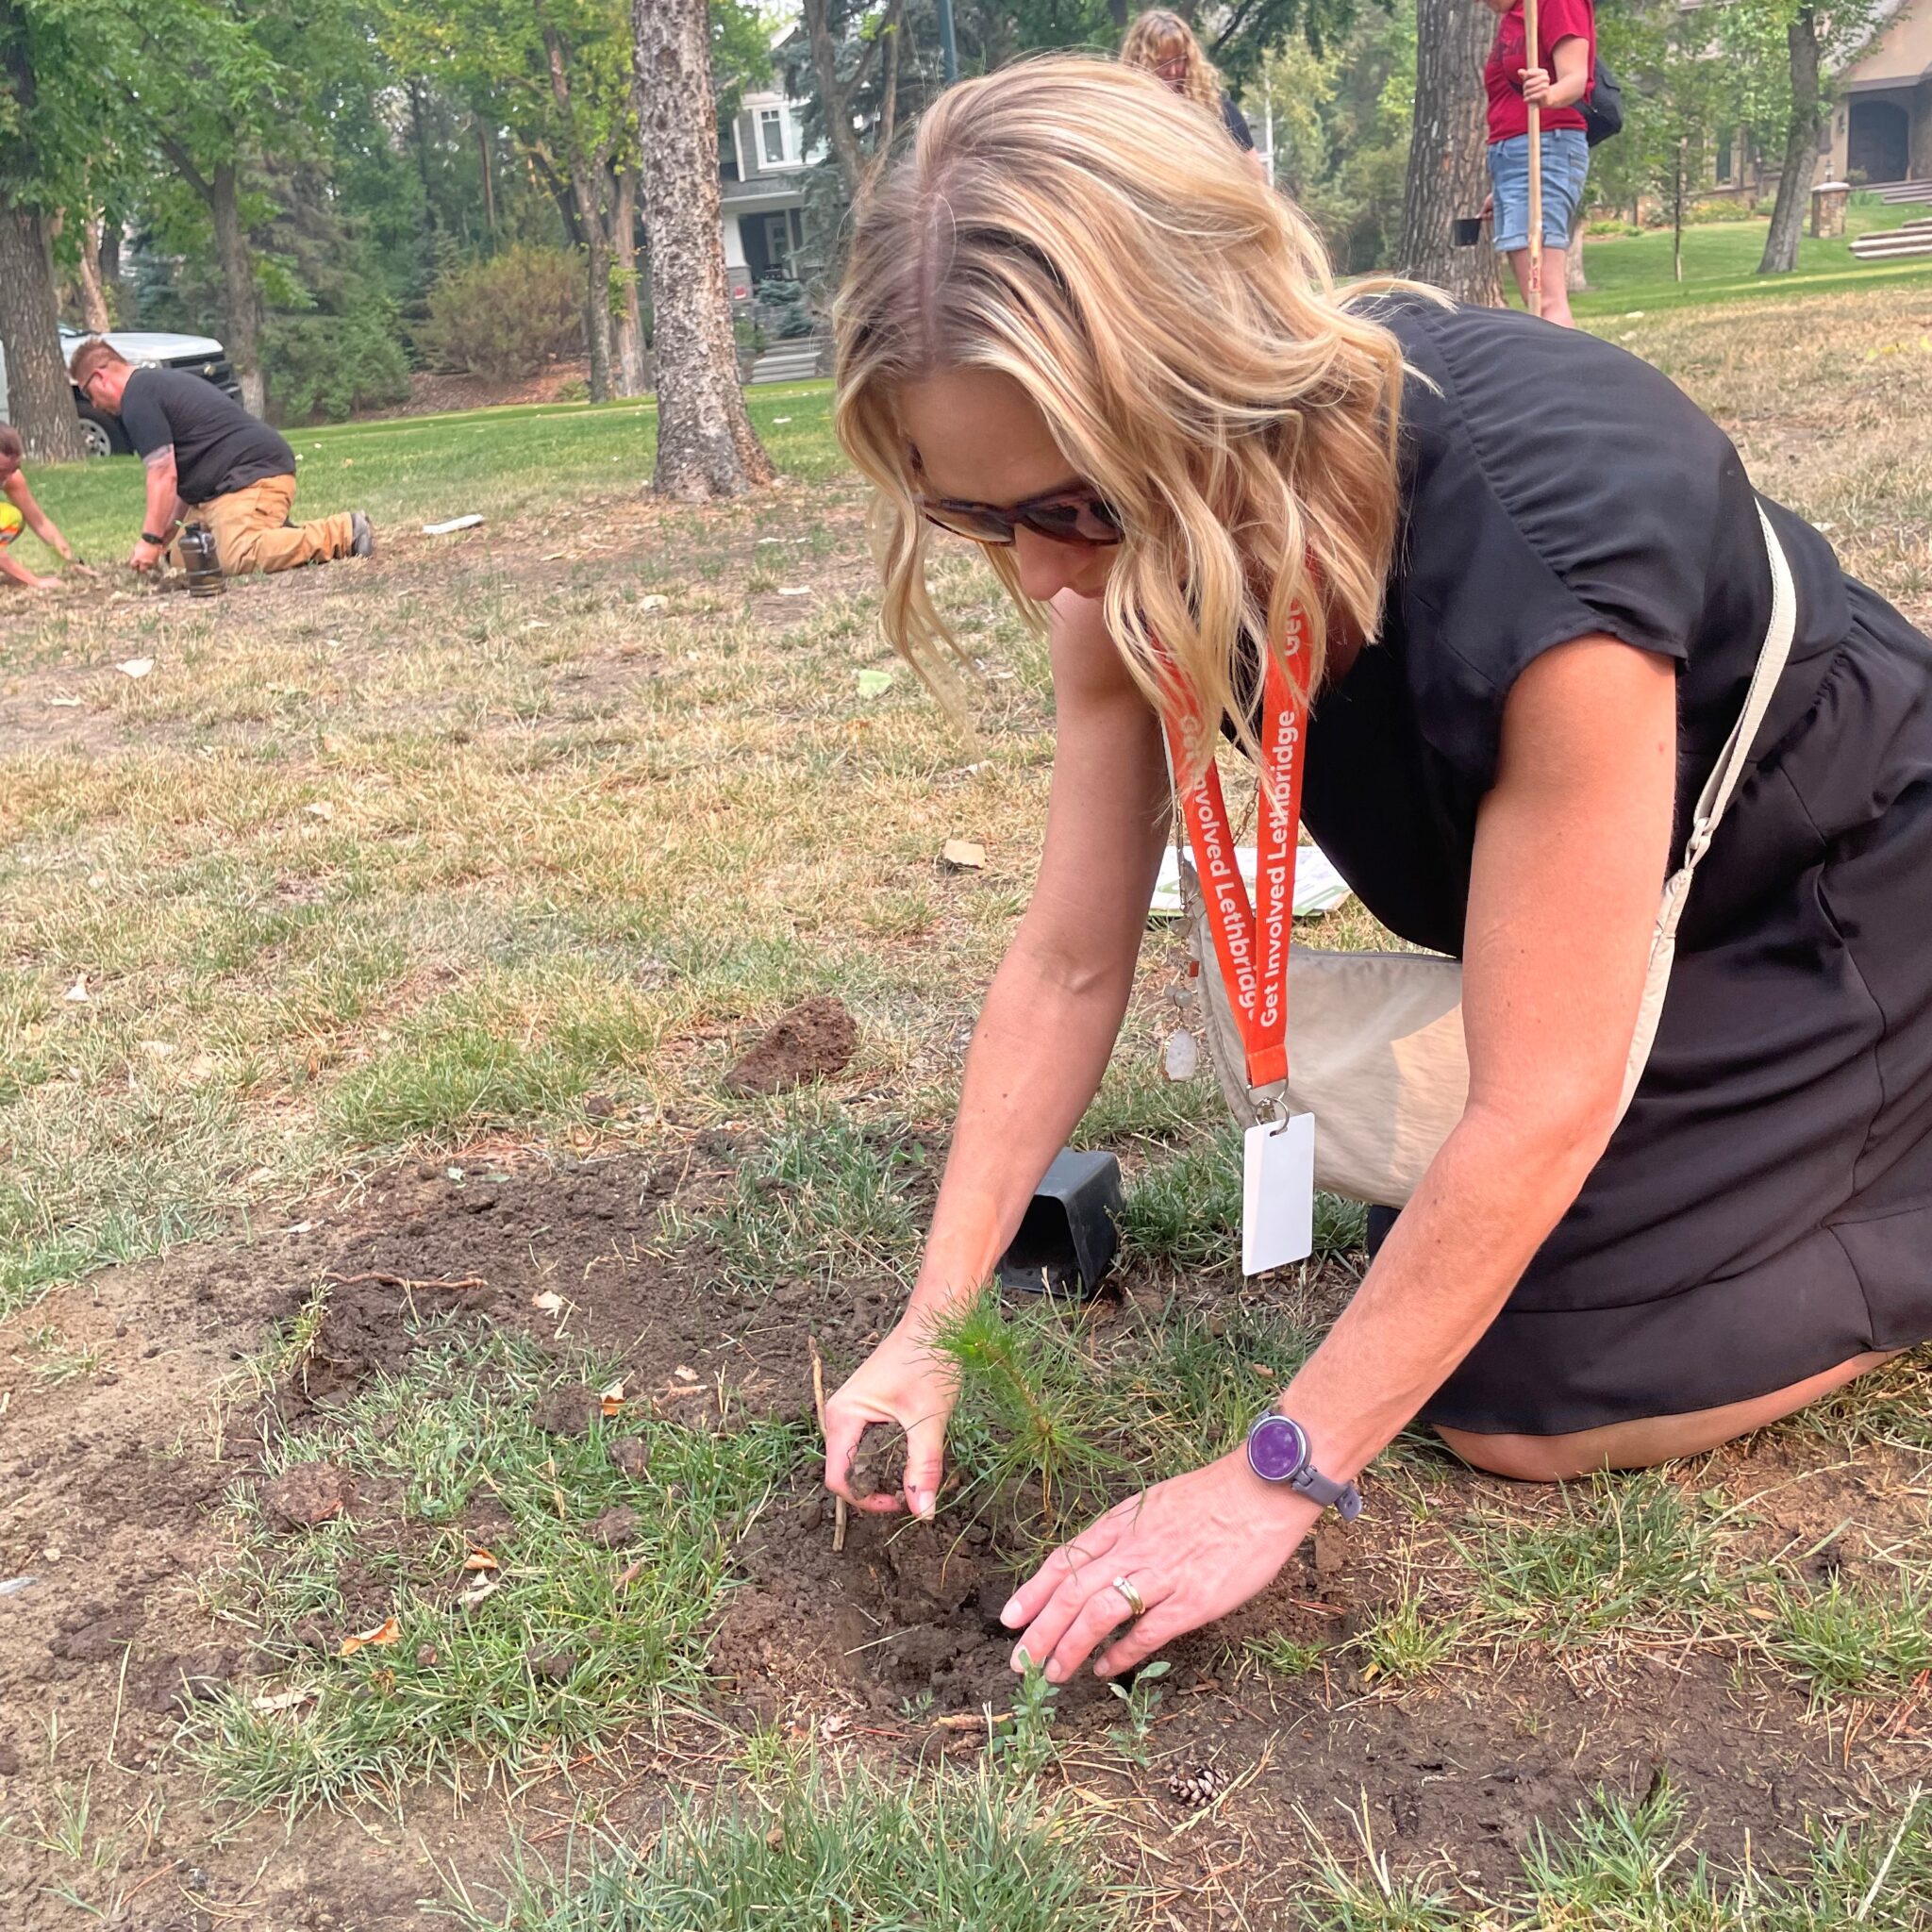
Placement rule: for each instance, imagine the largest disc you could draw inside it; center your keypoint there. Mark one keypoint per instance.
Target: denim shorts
(1566, 167)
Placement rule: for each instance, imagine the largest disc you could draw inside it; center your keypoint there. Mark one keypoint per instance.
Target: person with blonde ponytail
(1075, 334)
(1165, 45)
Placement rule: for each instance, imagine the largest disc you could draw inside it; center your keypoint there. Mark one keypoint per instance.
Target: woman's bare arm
(1044, 1033)
(1570, 856)
(1571, 850)
(1056, 1001)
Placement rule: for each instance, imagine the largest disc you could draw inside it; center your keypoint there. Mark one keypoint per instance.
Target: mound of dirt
(812, 1040)
(308, 1493)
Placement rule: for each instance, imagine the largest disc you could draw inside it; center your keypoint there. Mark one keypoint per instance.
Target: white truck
(199, 354)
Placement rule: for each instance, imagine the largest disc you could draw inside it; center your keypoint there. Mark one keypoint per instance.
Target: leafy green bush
(506, 316)
(325, 367)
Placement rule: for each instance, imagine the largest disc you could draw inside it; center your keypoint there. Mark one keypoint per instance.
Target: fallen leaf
(385, 1632)
(157, 1049)
(963, 855)
(776, 419)
(685, 1374)
(873, 684)
(480, 1591)
(78, 993)
(612, 1398)
(66, 704)
(536, 623)
(794, 590)
(285, 1700)
(322, 808)
(653, 602)
(136, 667)
(480, 1560)
(548, 1302)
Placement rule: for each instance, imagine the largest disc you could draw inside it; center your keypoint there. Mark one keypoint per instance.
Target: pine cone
(1201, 1785)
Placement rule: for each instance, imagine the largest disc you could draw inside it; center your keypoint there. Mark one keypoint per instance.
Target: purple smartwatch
(1278, 1452)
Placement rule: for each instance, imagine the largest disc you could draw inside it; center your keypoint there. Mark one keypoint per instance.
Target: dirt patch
(813, 1040)
(893, 1647)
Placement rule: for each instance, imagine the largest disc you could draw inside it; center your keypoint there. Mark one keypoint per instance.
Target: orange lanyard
(1251, 941)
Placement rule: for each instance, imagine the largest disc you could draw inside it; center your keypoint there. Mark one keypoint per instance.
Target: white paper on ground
(1317, 887)
(468, 522)
(1277, 1193)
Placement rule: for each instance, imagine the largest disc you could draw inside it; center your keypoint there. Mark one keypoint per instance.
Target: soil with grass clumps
(813, 1040)
(116, 1504)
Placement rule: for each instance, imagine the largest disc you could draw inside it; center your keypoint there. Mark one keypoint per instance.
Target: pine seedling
(1033, 1398)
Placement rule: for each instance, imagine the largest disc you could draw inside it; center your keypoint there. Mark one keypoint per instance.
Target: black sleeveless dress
(1765, 1209)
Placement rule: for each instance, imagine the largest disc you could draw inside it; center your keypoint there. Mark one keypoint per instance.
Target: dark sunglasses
(1061, 516)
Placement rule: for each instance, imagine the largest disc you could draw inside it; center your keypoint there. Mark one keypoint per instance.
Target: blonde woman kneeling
(1076, 334)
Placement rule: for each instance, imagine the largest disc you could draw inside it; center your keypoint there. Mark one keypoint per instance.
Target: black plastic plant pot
(1469, 230)
(1071, 1228)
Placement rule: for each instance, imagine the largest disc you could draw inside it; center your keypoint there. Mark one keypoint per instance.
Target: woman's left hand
(1194, 1548)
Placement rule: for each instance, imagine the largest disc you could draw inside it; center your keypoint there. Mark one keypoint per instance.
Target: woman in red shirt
(1556, 82)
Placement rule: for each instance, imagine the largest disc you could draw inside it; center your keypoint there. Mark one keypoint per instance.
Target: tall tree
(1802, 127)
(838, 92)
(705, 443)
(1778, 57)
(48, 62)
(1448, 166)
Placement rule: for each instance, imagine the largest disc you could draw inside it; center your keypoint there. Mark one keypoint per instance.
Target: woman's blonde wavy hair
(1158, 34)
(1064, 223)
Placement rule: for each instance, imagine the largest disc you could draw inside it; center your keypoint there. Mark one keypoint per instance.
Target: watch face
(1276, 1448)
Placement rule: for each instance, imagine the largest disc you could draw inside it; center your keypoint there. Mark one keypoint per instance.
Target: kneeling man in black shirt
(209, 458)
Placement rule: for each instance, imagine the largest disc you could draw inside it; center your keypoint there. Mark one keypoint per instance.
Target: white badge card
(1278, 1193)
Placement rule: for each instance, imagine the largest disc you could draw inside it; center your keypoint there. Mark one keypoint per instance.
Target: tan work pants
(253, 532)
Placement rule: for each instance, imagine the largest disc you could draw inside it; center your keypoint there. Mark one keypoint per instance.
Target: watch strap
(1343, 1498)
(149, 537)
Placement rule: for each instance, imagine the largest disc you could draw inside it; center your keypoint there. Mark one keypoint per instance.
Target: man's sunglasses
(1061, 516)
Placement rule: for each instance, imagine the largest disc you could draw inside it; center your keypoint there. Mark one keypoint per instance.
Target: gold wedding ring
(1134, 1600)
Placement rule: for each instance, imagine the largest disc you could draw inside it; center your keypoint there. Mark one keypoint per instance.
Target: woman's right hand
(904, 1384)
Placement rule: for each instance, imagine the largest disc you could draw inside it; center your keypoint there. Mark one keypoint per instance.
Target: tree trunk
(237, 281)
(835, 95)
(420, 128)
(705, 443)
(39, 398)
(1448, 166)
(1678, 215)
(630, 316)
(93, 288)
(1801, 149)
(488, 184)
(587, 181)
(1575, 280)
(596, 297)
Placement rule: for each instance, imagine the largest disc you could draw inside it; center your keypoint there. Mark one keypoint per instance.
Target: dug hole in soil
(115, 1481)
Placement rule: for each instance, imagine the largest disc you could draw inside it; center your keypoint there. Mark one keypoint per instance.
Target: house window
(772, 135)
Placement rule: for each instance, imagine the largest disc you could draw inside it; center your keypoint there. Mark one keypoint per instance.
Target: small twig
(402, 1281)
(842, 1510)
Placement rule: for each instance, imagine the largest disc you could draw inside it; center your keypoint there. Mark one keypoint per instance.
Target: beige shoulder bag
(1377, 1051)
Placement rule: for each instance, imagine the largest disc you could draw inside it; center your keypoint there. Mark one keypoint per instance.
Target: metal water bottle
(205, 578)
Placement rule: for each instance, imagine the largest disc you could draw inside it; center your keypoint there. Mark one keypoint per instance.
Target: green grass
(1625, 1865)
(1608, 1555)
(461, 1682)
(980, 1854)
(1721, 259)
(825, 1196)
(518, 466)
(1846, 1637)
